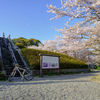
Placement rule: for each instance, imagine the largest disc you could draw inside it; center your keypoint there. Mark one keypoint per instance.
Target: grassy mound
(66, 62)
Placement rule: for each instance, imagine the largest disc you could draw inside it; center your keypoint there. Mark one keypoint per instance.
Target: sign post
(49, 62)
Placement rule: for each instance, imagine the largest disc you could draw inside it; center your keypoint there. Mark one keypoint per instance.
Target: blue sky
(29, 19)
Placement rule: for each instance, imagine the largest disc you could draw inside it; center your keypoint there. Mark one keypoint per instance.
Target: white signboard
(50, 62)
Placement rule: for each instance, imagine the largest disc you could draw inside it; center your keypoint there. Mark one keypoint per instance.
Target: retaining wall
(37, 72)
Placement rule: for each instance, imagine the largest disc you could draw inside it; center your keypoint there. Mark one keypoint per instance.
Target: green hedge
(66, 62)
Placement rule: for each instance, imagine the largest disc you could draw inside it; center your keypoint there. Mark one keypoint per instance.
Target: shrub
(2, 76)
(98, 68)
(26, 42)
(66, 62)
(20, 45)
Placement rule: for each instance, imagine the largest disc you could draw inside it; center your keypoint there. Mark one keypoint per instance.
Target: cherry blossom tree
(89, 10)
(47, 45)
(84, 35)
(81, 37)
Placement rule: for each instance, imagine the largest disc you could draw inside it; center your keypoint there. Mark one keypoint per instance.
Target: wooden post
(9, 37)
(59, 66)
(41, 74)
(3, 35)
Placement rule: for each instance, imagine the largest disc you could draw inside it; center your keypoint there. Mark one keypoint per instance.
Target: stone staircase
(7, 59)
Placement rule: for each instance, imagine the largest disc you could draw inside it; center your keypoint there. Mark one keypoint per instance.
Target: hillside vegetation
(66, 62)
(23, 42)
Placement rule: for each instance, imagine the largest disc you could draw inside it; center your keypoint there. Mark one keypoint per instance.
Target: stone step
(8, 68)
(7, 58)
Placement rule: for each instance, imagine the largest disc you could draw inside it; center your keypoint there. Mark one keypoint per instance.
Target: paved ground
(63, 87)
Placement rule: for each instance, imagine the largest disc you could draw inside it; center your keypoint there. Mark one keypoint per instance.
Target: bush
(26, 42)
(20, 45)
(66, 62)
(2, 76)
(98, 68)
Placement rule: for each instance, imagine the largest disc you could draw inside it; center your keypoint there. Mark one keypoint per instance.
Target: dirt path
(63, 87)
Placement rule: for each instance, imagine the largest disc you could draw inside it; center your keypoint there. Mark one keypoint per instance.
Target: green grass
(98, 68)
(66, 62)
(37, 76)
(96, 78)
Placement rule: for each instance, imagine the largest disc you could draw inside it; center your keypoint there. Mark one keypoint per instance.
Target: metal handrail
(12, 54)
(18, 50)
(12, 42)
(5, 40)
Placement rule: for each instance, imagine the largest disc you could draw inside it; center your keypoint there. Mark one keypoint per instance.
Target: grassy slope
(66, 62)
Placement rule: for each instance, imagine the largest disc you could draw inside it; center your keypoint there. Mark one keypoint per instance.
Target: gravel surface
(63, 87)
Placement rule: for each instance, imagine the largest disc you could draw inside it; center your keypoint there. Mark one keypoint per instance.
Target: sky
(29, 19)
